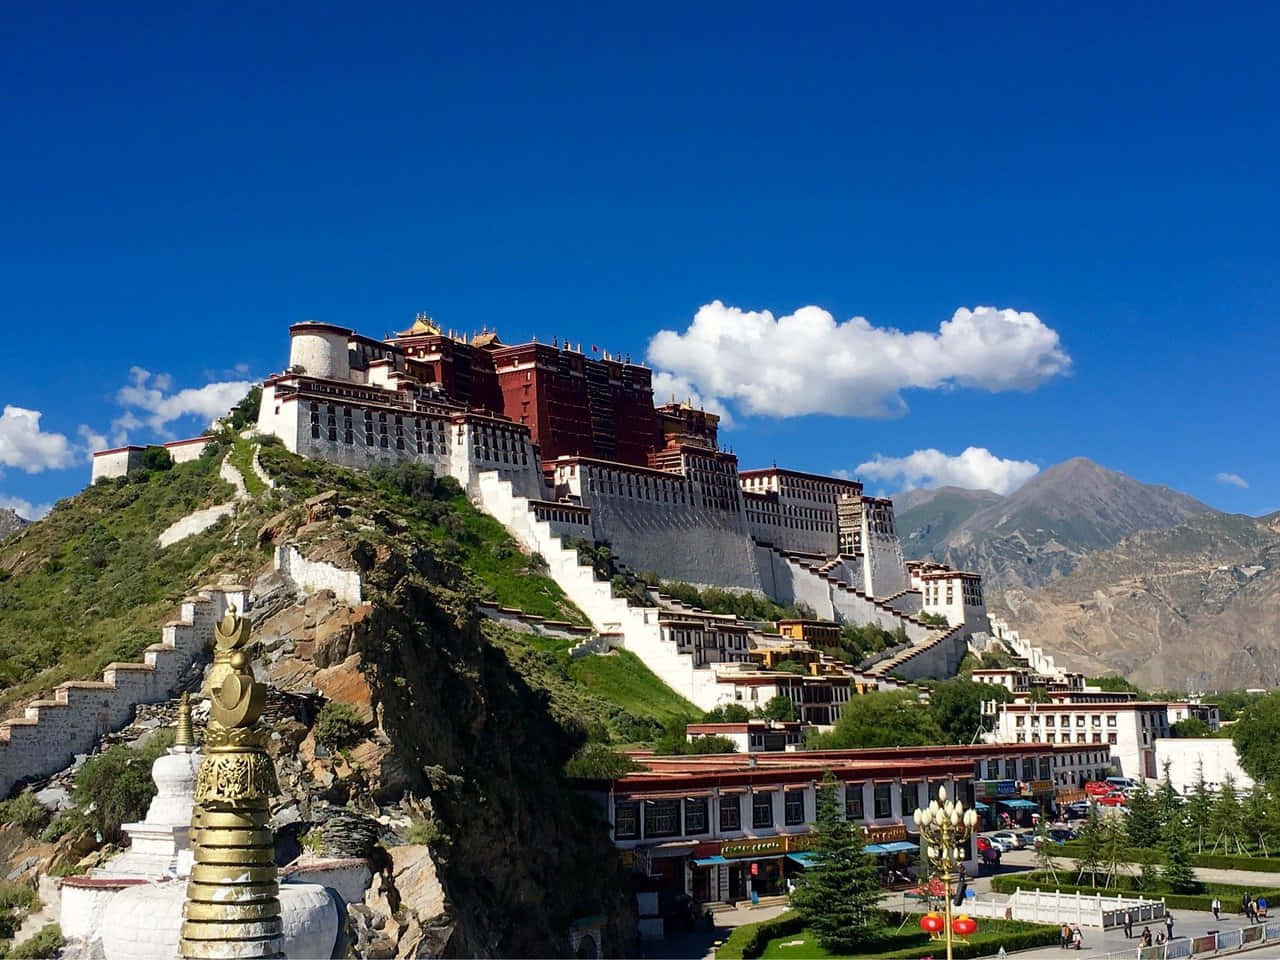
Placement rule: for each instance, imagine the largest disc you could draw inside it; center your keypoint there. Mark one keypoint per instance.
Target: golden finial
(185, 737)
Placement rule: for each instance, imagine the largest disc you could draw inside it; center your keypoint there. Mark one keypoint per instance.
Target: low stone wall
(260, 471)
(313, 576)
(522, 622)
(52, 732)
(193, 523)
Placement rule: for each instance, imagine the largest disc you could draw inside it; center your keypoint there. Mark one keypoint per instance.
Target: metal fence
(1210, 943)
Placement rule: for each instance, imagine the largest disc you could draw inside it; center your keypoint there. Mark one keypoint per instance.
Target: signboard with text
(998, 788)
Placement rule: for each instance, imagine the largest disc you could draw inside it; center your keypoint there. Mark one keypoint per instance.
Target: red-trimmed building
(721, 827)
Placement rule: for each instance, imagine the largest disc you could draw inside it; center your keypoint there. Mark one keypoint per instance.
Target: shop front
(734, 870)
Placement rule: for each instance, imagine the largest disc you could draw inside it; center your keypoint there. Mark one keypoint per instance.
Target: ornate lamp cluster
(945, 826)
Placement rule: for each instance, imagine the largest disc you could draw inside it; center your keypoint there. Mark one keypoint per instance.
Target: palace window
(883, 800)
(1011, 768)
(661, 818)
(731, 812)
(853, 801)
(910, 798)
(794, 807)
(761, 810)
(626, 820)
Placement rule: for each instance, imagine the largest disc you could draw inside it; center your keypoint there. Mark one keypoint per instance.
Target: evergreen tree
(1115, 848)
(1092, 845)
(1143, 822)
(1199, 811)
(1224, 819)
(1169, 813)
(1177, 872)
(838, 895)
(1044, 850)
(1256, 819)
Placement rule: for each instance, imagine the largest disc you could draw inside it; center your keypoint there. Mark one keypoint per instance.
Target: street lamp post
(945, 826)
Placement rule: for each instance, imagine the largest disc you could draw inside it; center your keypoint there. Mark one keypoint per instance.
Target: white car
(1011, 840)
(1000, 843)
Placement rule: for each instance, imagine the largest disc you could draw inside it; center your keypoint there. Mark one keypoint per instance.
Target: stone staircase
(936, 657)
(52, 731)
(632, 628)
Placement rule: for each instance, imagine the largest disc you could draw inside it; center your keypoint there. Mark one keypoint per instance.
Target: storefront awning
(1019, 804)
(900, 846)
(981, 807)
(805, 858)
(874, 848)
(709, 861)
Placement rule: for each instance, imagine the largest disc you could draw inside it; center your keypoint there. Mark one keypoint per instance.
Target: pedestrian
(1168, 924)
(1064, 936)
(1146, 936)
(1244, 904)
(1251, 910)
(1262, 907)
(1128, 924)
(1077, 938)
(1160, 939)
(1216, 907)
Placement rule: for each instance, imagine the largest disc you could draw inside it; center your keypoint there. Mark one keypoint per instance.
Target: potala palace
(561, 446)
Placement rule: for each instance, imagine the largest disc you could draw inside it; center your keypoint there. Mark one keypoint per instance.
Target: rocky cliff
(10, 522)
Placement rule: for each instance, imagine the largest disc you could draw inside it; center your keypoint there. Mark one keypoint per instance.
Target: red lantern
(931, 923)
(964, 925)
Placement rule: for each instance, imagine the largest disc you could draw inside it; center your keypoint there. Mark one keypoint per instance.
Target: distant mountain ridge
(10, 522)
(1043, 529)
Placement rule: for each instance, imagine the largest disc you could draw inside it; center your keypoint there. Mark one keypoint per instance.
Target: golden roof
(422, 325)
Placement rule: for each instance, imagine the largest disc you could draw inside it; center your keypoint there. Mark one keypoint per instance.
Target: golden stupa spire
(233, 907)
(184, 739)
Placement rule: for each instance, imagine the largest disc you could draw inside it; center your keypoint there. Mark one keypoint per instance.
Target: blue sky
(185, 183)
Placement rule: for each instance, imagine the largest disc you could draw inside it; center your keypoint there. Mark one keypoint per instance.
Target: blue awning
(981, 807)
(805, 858)
(875, 848)
(709, 861)
(901, 846)
(1019, 804)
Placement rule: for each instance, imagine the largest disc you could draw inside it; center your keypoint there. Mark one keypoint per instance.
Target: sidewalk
(1098, 943)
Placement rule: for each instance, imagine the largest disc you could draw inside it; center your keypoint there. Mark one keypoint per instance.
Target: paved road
(1098, 943)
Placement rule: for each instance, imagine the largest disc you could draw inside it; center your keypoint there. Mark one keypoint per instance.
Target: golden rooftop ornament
(233, 906)
(185, 738)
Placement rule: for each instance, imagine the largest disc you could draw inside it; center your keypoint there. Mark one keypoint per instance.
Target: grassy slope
(623, 678)
(88, 584)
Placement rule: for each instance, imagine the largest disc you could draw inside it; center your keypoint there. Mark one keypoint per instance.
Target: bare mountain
(1044, 528)
(1197, 604)
(10, 522)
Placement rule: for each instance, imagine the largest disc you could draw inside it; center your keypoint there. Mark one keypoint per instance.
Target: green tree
(1177, 872)
(780, 708)
(956, 706)
(1116, 857)
(599, 761)
(245, 413)
(1200, 811)
(1190, 727)
(1224, 819)
(1045, 862)
(839, 895)
(727, 713)
(1168, 806)
(890, 718)
(1256, 734)
(1093, 841)
(156, 459)
(1143, 822)
(1258, 819)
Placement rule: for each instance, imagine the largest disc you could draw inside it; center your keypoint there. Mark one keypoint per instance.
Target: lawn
(910, 941)
(622, 678)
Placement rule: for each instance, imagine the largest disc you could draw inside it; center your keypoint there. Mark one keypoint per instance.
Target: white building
(752, 736)
(956, 595)
(1190, 757)
(1130, 729)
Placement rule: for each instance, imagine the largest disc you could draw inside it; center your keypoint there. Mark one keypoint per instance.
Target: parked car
(1062, 834)
(1112, 800)
(1123, 784)
(988, 852)
(1097, 788)
(1010, 838)
(1002, 845)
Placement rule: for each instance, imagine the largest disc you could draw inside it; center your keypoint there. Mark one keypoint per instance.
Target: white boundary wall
(50, 734)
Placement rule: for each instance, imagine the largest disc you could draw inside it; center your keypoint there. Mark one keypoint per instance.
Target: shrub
(45, 945)
(337, 725)
(25, 811)
(245, 413)
(156, 460)
(750, 940)
(68, 821)
(423, 831)
(114, 787)
(598, 761)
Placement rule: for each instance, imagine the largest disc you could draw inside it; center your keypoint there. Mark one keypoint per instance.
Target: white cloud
(25, 446)
(977, 468)
(25, 508)
(806, 362)
(666, 387)
(148, 402)
(1233, 480)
